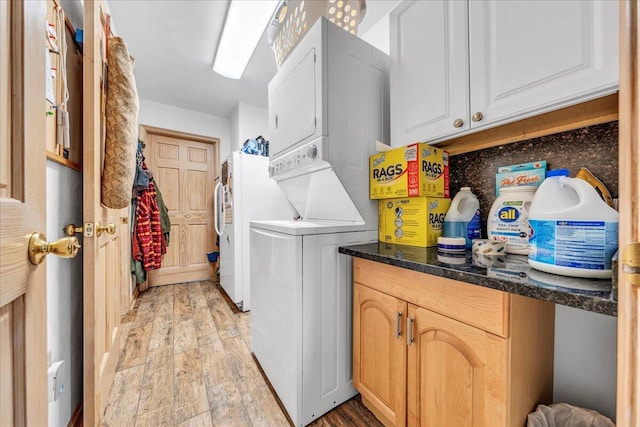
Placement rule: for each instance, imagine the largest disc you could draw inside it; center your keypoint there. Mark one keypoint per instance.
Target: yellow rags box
(417, 170)
(415, 221)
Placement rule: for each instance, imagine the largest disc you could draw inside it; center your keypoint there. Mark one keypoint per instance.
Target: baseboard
(134, 295)
(76, 418)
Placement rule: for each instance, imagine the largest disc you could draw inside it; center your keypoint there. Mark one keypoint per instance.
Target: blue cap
(557, 172)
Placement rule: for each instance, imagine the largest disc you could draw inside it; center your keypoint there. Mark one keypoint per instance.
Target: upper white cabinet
(458, 67)
(429, 71)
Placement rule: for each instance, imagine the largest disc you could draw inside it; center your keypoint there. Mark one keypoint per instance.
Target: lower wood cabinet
(430, 351)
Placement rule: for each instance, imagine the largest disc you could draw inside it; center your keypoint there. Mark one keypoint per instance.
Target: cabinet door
(429, 70)
(530, 57)
(379, 353)
(456, 374)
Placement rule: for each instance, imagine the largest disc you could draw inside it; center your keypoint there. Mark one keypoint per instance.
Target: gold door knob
(477, 116)
(109, 228)
(71, 229)
(39, 248)
(457, 123)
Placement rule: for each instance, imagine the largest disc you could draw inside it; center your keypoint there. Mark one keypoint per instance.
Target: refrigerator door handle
(218, 210)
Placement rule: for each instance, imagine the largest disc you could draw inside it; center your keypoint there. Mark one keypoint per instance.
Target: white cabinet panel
(293, 118)
(429, 70)
(533, 56)
(494, 62)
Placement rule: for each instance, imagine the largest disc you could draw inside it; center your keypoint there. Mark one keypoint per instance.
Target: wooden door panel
(5, 100)
(6, 365)
(172, 258)
(457, 374)
(15, 264)
(106, 276)
(379, 356)
(23, 322)
(184, 171)
(170, 187)
(196, 191)
(167, 151)
(197, 240)
(197, 155)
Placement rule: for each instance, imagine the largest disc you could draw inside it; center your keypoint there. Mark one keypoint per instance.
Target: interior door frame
(628, 381)
(146, 130)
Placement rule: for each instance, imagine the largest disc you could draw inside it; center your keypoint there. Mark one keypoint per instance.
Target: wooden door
(106, 259)
(23, 308)
(456, 374)
(379, 353)
(184, 169)
(628, 395)
(429, 70)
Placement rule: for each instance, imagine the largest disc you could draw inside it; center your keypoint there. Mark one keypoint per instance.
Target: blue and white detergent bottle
(575, 233)
(463, 217)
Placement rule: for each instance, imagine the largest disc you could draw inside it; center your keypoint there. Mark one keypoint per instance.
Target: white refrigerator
(245, 193)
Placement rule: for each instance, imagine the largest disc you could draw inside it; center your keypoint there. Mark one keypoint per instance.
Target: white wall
(378, 34)
(585, 360)
(64, 289)
(235, 129)
(180, 119)
(253, 121)
(248, 122)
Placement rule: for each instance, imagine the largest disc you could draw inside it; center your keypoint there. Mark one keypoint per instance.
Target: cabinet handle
(410, 330)
(477, 117)
(457, 123)
(276, 121)
(398, 327)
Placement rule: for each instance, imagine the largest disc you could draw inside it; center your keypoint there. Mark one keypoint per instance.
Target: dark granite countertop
(510, 274)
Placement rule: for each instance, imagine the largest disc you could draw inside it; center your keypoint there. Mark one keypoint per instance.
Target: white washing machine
(301, 331)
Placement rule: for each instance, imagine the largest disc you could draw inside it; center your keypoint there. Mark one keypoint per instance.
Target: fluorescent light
(243, 28)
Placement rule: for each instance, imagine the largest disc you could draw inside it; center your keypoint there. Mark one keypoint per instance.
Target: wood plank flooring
(186, 361)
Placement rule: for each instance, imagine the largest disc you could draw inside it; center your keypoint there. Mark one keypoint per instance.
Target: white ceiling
(174, 43)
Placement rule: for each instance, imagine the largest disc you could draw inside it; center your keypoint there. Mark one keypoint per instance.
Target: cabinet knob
(477, 117)
(457, 123)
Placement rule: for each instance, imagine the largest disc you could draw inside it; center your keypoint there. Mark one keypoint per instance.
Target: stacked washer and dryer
(328, 104)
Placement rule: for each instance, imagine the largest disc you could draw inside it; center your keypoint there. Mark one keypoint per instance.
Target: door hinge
(87, 229)
(631, 263)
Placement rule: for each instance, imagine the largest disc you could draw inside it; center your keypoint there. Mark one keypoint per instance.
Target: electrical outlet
(55, 380)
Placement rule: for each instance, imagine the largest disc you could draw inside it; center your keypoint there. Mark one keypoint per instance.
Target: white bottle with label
(508, 220)
(575, 233)
(463, 217)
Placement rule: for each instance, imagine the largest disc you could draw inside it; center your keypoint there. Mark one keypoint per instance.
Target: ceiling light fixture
(243, 28)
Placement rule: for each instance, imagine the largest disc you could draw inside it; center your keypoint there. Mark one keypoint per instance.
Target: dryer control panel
(304, 159)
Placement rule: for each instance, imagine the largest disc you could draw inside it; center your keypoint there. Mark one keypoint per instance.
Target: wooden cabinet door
(528, 57)
(429, 72)
(456, 374)
(379, 353)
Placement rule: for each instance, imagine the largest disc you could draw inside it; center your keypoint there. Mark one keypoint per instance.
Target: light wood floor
(186, 361)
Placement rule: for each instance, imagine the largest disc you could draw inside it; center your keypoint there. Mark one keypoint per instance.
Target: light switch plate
(55, 382)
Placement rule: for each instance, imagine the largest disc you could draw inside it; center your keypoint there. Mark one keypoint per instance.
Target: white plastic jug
(575, 233)
(463, 217)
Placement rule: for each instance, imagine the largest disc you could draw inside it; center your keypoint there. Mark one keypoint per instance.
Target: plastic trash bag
(256, 146)
(565, 415)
